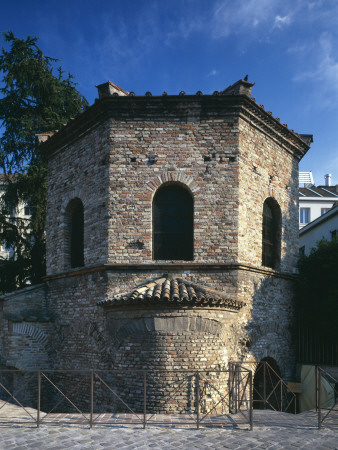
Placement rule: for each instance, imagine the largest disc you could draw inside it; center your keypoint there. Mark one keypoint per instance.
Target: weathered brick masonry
(231, 155)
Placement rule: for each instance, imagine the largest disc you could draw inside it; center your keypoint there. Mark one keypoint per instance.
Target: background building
(23, 212)
(314, 200)
(324, 227)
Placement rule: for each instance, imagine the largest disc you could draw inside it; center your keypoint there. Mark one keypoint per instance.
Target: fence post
(264, 383)
(250, 400)
(39, 400)
(91, 398)
(144, 399)
(198, 398)
(229, 386)
(319, 376)
(235, 388)
(316, 381)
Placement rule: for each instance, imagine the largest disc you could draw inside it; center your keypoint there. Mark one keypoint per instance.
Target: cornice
(171, 267)
(170, 107)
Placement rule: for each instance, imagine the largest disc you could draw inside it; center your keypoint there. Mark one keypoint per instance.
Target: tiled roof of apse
(174, 291)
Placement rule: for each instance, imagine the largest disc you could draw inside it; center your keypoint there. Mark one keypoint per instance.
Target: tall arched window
(173, 223)
(75, 233)
(271, 234)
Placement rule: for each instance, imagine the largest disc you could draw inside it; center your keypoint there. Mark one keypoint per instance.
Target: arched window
(173, 223)
(271, 234)
(75, 233)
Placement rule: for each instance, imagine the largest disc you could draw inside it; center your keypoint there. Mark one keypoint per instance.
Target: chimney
(327, 178)
(241, 87)
(109, 88)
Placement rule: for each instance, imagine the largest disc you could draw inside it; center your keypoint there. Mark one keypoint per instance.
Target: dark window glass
(304, 215)
(76, 234)
(270, 235)
(28, 210)
(173, 223)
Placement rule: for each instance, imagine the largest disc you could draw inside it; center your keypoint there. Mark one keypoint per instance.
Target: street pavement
(271, 430)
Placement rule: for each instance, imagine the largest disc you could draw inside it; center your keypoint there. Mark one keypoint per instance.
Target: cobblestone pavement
(272, 430)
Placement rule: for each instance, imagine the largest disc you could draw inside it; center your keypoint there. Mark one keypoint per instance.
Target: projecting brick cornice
(169, 267)
(175, 107)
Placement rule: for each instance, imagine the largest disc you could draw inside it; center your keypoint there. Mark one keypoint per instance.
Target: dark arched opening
(75, 233)
(173, 223)
(271, 234)
(266, 379)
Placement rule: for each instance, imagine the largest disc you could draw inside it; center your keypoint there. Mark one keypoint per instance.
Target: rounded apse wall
(171, 346)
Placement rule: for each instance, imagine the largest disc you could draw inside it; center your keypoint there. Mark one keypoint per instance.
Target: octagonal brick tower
(172, 232)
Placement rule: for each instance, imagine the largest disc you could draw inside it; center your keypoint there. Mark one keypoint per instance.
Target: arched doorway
(266, 379)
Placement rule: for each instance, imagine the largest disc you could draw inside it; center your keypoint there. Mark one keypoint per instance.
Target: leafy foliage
(33, 100)
(318, 289)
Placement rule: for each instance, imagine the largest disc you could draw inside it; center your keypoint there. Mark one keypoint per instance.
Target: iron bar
(198, 399)
(319, 380)
(91, 398)
(251, 401)
(264, 385)
(39, 400)
(144, 399)
(316, 382)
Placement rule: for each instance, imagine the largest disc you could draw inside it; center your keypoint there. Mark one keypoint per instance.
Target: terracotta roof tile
(174, 291)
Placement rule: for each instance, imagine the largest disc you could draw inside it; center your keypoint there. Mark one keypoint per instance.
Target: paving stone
(271, 431)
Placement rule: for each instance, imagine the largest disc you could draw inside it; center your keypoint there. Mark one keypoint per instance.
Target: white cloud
(323, 67)
(282, 21)
(323, 70)
(213, 73)
(242, 16)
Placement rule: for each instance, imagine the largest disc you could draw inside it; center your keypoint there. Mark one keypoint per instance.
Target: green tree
(318, 289)
(36, 97)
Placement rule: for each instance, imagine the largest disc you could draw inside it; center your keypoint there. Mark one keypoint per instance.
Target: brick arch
(171, 177)
(260, 331)
(76, 193)
(29, 330)
(260, 349)
(34, 339)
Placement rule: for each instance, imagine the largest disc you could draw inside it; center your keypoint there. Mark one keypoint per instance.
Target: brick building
(172, 237)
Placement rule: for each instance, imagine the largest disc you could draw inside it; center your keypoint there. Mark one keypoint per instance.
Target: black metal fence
(314, 348)
(134, 397)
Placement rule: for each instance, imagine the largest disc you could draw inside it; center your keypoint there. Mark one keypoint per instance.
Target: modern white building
(314, 201)
(324, 227)
(23, 212)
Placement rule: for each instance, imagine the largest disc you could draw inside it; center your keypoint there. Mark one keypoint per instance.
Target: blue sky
(289, 48)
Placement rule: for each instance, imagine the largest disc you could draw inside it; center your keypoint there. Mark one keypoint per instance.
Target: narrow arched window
(173, 223)
(271, 234)
(75, 233)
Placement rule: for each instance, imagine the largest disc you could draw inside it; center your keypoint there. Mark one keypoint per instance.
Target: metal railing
(133, 397)
(271, 393)
(327, 409)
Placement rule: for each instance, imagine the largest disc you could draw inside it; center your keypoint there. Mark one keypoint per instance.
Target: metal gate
(327, 408)
(271, 392)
